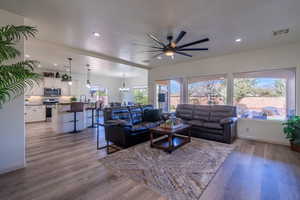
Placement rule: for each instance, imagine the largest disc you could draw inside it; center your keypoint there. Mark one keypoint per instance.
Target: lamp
(169, 53)
(88, 82)
(124, 88)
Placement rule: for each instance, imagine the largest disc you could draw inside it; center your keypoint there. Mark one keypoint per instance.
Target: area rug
(182, 175)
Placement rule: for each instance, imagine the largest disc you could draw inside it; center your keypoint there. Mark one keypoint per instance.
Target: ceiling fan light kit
(172, 47)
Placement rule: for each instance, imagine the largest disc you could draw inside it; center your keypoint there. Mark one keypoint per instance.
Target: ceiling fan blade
(184, 54)
(143, 45)
(156, 40)
(151, 51)
(193, 43)
(180, 36)
(193, 49)
(155, 56)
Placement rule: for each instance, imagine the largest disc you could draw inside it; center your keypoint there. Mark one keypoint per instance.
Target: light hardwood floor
(65, 166)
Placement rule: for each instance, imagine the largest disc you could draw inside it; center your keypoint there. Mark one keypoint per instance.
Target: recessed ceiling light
(96, 34)
(55, 64)
(27, 56)
(39, 65)
(238, 40)
(159, 57)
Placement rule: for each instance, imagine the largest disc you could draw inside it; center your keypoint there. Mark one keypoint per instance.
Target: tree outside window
(261, 98)
(140, 95)
(208, 92)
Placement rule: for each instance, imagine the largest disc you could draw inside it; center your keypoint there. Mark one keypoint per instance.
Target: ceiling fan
(172, 47)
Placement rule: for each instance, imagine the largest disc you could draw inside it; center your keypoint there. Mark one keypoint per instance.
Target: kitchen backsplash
(39, 99)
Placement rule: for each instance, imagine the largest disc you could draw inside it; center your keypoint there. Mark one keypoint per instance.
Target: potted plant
(17, 77)
(291, 129)
(73, 99)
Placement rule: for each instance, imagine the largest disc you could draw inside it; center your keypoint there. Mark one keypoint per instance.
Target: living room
(201, 101)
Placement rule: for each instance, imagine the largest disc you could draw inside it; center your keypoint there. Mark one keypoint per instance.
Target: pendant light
(88, 82)
(124, 88)
(70, 71)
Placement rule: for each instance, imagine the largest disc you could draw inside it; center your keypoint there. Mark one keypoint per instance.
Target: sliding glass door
(168, 94)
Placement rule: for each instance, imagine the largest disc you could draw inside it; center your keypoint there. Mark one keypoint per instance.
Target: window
(207, 90)
(266, 94)
(140, 95)
(99, 94)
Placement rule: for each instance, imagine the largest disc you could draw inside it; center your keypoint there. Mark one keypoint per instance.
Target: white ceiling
(54, 58)
(124, 24)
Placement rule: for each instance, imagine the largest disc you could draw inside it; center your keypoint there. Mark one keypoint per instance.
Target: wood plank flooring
(65, 166)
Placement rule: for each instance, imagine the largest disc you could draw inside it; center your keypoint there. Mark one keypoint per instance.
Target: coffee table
(172, 141)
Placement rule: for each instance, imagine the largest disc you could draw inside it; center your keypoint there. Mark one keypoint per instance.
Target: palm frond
(8, 51)
(16, 78)
(16, 33)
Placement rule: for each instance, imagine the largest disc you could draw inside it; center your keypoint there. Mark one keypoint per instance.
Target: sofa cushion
(201, 112)
(152, 115)
(184, 111)
(138, 127)
(213, 125)
(195, 122)
(136, 114)
(121, 113)
(219, 112)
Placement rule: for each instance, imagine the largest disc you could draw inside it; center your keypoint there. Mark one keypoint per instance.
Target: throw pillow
(152, 115)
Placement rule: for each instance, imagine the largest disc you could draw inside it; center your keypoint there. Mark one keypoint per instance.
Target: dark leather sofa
(214, 122)
(125, 126)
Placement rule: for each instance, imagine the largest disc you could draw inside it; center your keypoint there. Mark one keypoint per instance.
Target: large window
(265, 95)
(140, 95)
(207, 90)
(99, 94)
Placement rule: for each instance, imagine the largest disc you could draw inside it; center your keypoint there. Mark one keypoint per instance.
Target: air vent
(281, 32)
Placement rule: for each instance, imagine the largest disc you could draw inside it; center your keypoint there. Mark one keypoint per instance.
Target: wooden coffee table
(173, 140)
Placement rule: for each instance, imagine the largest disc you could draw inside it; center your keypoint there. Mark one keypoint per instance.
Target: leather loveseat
(125, 126)
(214, 122)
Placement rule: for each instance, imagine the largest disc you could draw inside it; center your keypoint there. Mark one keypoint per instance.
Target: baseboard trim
(11, 169)
(263, 140)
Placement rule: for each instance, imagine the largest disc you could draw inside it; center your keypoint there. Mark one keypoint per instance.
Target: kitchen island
(63, 119)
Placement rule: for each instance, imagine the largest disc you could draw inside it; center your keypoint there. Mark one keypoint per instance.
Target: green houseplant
(291, 129)
(73, 99)
(17, 77)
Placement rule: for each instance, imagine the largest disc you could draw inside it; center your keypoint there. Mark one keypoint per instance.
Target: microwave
(52, 92)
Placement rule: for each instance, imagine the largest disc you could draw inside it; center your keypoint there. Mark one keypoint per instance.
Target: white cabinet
(35, 113)
(65, 88)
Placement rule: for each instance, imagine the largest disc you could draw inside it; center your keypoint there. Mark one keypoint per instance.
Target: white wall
(111, 83)
(12, 130)
(285, 56)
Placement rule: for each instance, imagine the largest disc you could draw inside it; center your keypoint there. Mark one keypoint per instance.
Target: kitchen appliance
(52, 92)
(50, 103)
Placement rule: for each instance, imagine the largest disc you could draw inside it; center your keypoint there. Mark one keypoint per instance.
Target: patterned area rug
(184, 174)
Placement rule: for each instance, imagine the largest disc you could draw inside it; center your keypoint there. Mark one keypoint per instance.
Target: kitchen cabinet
(35, 113)
(47, 82)
(65, 88)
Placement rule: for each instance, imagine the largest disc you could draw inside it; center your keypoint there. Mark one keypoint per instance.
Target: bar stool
(75, 108)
